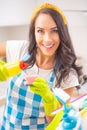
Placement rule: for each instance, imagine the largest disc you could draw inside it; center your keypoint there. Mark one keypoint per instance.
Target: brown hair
(65, 57)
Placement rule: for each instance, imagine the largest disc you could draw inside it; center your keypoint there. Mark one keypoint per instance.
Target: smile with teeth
(48, 46)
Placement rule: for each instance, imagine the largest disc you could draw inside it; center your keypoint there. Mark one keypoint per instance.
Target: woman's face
(46, 35)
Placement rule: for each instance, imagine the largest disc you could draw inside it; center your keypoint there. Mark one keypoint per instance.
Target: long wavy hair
(65, 57)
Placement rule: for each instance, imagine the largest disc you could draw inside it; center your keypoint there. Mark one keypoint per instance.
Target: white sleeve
(16, 49)
(71, 80)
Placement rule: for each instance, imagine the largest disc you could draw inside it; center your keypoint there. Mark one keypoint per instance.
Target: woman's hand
(40, 86)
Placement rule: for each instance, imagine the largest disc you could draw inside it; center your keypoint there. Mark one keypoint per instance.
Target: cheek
(38, 39)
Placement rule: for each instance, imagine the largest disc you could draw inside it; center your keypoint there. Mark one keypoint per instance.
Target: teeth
(48, 46)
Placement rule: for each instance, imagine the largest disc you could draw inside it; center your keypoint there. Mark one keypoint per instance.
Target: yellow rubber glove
(3, 71)
(40, 86)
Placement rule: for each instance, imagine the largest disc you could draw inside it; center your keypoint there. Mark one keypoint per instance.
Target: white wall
(14, 32)
(16, 12)
(67, 4)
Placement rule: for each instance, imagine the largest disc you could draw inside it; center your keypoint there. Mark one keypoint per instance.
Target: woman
(50, 55)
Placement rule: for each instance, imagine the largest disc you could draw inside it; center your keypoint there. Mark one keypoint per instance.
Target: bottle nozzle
(23, 65)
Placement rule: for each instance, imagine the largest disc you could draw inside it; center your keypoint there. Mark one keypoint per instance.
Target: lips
(48, 46)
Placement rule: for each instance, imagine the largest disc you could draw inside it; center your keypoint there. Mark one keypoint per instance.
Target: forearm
(49, 118)
(70, 91)
(3, 49)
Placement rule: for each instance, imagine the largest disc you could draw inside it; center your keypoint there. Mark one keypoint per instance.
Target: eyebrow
(54, 28)
(43, 28)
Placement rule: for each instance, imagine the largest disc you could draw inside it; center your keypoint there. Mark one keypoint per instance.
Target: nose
(47, 37)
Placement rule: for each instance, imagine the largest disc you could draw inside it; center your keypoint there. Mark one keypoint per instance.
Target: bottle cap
(23, 65)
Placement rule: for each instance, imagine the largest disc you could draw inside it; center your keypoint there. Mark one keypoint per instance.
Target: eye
(40, 31)
(54, 31)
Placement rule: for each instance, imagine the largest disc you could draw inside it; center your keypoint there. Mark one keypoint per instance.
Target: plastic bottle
(15, 68)
(71, 120)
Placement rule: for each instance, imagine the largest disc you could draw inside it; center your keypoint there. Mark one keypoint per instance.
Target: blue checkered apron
(23, 110)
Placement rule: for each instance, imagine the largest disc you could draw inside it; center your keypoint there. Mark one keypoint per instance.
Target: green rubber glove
(40, 86)
(3, 71)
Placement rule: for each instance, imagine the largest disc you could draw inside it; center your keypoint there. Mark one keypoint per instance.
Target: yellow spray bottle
(15, 67)
(10, 69)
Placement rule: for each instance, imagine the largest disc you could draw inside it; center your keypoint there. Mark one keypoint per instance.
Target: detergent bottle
(71, 120)
(15, 68)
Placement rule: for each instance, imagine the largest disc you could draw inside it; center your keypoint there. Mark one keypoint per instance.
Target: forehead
(45, 20)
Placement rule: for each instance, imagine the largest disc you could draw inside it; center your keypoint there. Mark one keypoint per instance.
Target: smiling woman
(49, 50)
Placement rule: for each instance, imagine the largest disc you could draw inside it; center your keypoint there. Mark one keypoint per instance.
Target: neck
(44, 62)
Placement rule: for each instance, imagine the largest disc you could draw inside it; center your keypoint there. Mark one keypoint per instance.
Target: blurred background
(14, 25)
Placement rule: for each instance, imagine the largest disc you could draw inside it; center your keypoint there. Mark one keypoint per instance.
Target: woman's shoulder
(70, 80)
(16, 49)
(17, 42)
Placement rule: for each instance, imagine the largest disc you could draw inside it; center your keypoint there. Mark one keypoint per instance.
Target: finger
(40, 80)
(39, 85)
(36, 87)
(35, 90)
